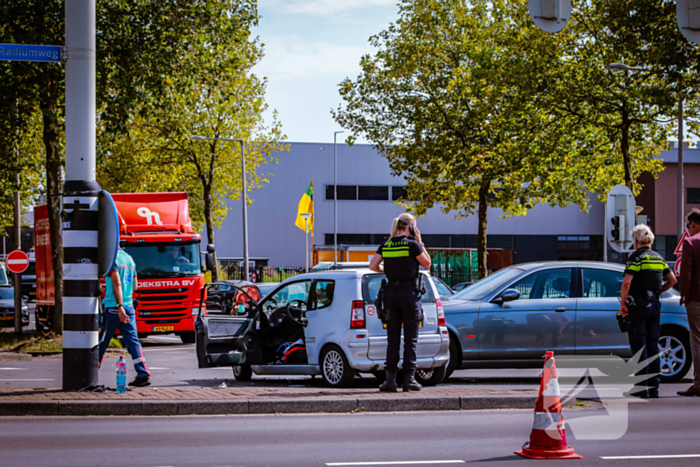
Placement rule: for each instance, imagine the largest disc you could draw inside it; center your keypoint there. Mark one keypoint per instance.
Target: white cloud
(290, 57)
(321, 7)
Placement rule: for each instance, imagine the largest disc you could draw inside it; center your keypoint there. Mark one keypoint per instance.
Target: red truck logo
(149, 215)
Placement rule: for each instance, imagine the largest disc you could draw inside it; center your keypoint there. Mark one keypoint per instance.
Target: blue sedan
(512, 317)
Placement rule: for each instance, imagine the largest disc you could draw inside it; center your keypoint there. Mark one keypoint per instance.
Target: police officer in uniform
(402, 254)
(647, 276)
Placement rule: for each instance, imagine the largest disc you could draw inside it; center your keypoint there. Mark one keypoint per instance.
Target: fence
(262, 274)
(453, 266)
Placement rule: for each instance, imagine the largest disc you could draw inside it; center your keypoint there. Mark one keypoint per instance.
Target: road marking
(8, 368)
(394, 463)
(664, 456)
(27, 380)
(157, 368)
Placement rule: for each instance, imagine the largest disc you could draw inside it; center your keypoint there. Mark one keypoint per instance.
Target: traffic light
(550, 15)
(615, 232)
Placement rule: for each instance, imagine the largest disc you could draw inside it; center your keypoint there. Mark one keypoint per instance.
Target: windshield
(165, 260)
(487, 285)
(442, 288)
(6, 293)
(3, 277)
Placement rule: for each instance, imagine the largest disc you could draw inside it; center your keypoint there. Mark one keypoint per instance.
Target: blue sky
(310, 47)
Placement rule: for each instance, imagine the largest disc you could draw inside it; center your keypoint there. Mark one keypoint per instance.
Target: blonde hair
(643, 235)
(401, 222)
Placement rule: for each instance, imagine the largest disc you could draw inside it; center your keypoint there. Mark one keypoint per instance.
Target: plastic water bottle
(121, 375)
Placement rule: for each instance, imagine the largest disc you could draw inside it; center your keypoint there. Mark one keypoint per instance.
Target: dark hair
(694, 216)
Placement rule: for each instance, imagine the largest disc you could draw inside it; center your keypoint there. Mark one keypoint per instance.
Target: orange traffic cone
(548, 438)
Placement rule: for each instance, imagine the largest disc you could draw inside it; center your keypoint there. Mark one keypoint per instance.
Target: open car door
(219, 337)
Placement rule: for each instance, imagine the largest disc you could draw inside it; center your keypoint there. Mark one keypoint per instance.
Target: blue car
(512, 317)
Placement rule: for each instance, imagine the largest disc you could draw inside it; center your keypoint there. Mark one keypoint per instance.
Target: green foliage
(475, 106)
(456, 99)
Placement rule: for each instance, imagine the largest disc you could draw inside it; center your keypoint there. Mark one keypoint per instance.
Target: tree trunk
(483, 222)
(625, 146)
(53, 201)
(209, 216)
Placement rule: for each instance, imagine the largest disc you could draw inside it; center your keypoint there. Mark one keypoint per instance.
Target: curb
(263, 406)
(15, 357)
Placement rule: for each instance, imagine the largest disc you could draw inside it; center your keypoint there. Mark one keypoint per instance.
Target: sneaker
(140, 382)
(652, 393)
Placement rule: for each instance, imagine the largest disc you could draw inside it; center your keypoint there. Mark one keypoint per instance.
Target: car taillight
(441, 313)
(357, 316)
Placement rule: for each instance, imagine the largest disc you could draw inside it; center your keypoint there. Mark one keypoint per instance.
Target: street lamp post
(306, 216)
(335, 199)
(680, 193)
(244, 197)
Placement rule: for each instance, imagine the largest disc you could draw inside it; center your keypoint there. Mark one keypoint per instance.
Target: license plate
(163, 328)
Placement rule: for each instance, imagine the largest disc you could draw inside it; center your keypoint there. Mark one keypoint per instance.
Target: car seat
(563, 286)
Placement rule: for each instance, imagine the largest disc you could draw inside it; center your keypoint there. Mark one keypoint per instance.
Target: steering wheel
(301, 321)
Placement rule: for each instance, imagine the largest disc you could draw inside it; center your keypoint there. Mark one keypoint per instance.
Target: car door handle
(560, 309)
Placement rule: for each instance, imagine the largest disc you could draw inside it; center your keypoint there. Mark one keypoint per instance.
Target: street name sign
(31, 53)
(17, 261)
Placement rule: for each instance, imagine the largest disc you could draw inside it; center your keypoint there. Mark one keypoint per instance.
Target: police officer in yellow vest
(647, 276)
(402, 254)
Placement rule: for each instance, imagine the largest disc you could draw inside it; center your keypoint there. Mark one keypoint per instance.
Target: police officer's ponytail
(401, 222)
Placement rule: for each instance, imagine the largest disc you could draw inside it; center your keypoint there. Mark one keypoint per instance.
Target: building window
(373, 193)
(345, 192)
(357, 239)
(693, 196)
(398, 193)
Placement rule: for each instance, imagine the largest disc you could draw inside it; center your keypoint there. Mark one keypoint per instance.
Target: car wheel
(431, 377)
(674, 355)
(242, 372)
(335, 369)
(187, 337)
(454, 358)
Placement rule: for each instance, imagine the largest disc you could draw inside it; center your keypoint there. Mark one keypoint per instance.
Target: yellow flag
(306, 204)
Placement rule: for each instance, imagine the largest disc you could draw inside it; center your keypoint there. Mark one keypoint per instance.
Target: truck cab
(157, 232)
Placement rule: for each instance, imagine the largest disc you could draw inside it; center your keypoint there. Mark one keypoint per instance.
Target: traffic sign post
(17, 262)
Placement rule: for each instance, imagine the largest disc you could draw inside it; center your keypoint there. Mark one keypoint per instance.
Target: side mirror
(508, 295)
(209, 261)
(210, 248)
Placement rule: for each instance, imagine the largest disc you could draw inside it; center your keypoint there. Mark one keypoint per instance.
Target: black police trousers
(643, 334)
(402, 305)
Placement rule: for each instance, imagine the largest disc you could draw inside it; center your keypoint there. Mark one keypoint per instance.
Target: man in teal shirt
(119, 314)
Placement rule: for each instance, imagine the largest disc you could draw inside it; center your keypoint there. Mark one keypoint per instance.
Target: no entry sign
(17, 261)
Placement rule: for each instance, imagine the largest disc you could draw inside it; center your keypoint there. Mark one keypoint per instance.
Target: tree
(457, 98)
(141, 53)
(630, 110)
(224, 100)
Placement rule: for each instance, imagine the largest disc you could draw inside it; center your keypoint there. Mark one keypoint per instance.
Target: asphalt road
(665, 427)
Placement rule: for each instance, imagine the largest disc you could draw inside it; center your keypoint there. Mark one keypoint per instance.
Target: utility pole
(18, 277)
(80, 212)
(335, 199)
(681, 186)
(244, 196)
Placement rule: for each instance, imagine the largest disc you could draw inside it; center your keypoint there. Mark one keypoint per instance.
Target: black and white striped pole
(80, 193)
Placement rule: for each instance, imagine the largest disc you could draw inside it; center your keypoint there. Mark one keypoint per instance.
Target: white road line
(662, 456)
(8, 368)
(394, 463)
(157, 368)
(27, 380)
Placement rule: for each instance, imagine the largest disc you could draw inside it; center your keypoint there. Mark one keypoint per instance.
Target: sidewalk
(188, 400)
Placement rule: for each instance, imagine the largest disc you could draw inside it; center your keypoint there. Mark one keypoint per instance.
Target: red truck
(157, 232)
